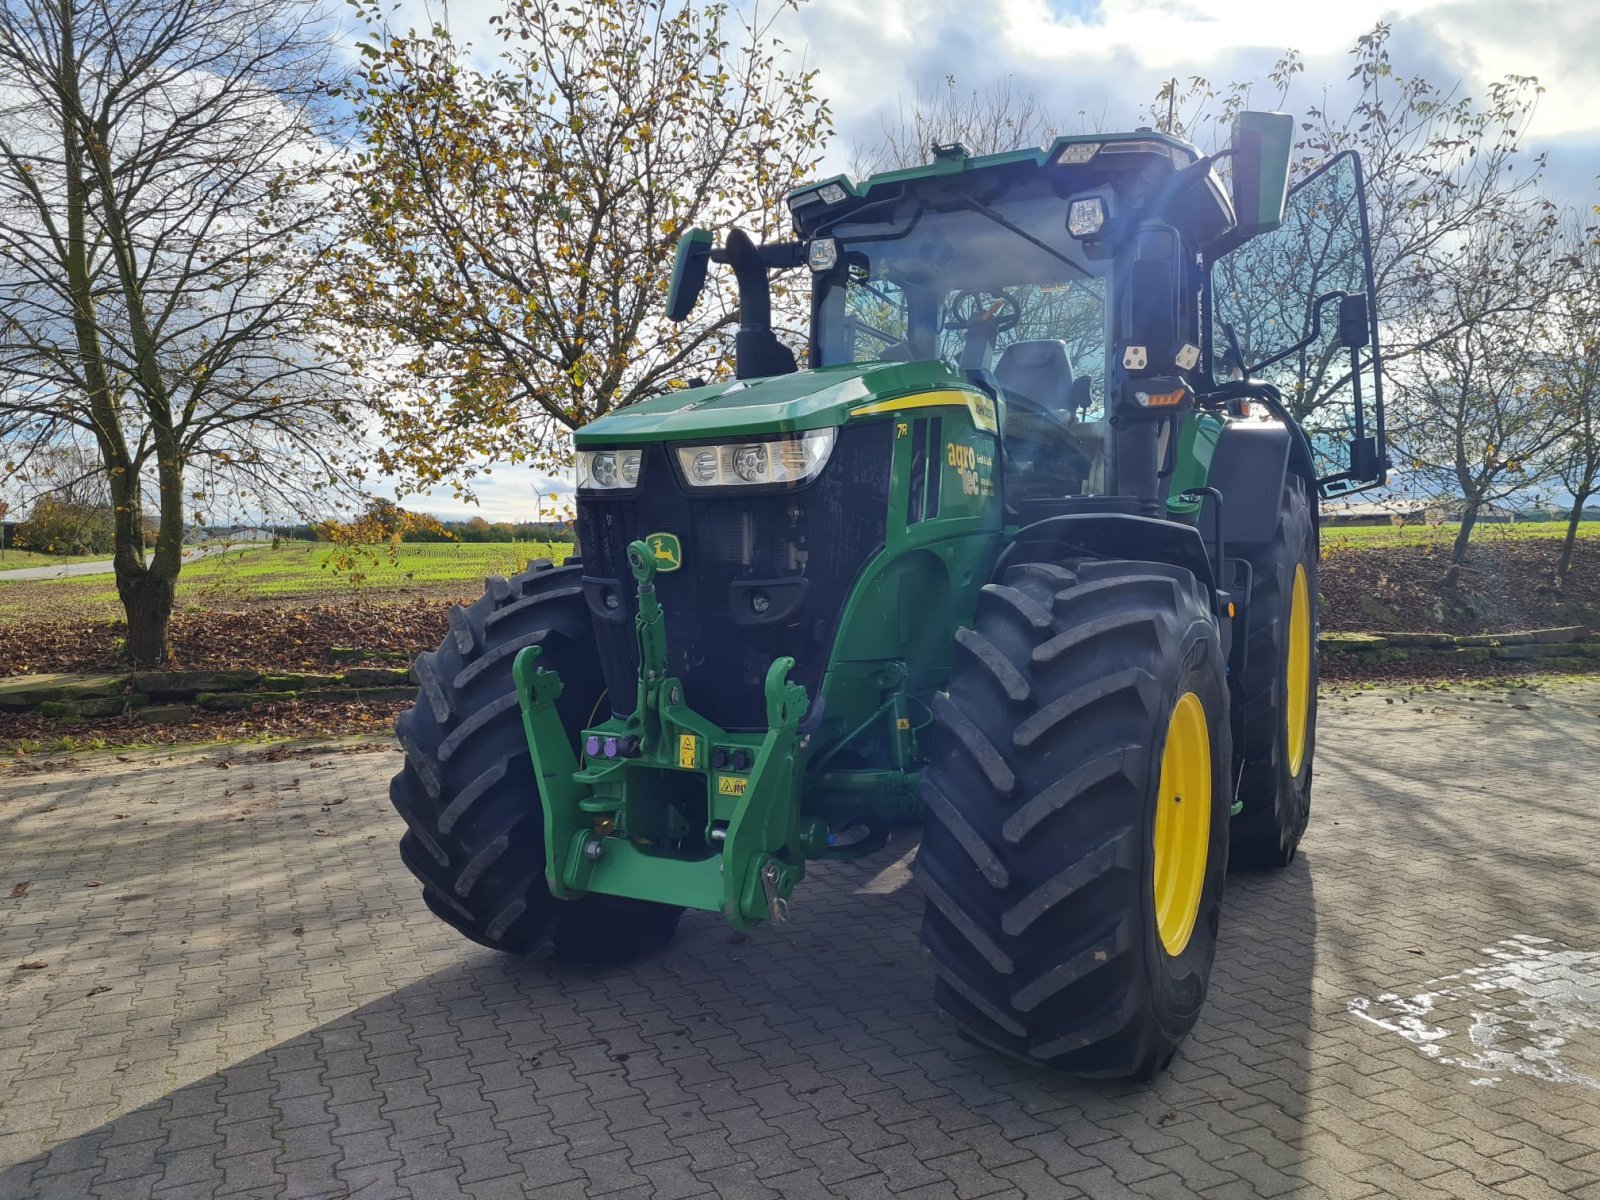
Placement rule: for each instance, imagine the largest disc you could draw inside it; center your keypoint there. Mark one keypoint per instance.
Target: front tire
(1275, 723)
(474, 830)
(1072, 904)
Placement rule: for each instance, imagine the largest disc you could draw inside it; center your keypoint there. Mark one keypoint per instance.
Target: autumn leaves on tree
(509, 232)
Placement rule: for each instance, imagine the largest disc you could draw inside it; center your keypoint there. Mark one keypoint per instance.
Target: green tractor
(1027, 555)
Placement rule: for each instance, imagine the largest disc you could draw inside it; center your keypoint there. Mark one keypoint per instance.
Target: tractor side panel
(942, 535)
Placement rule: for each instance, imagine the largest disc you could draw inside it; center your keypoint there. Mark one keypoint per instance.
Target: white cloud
(1111, 56)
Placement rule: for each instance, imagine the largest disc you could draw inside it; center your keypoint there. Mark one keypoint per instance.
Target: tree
(1441, 169)
(71, 510)
(986, 120)
(1478, 407)
(1575, 367)
(153, 264)
(1443, 172)
(510, 233)
(57, 526)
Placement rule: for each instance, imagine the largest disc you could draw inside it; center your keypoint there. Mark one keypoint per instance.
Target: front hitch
(608, 824)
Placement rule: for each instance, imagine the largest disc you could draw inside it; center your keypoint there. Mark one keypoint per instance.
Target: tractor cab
(1069, 282)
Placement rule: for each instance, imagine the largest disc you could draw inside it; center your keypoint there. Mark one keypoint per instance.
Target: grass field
(297, 571)
(305, 572)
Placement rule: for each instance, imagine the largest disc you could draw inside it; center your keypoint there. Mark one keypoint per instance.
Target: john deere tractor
(1025, 554)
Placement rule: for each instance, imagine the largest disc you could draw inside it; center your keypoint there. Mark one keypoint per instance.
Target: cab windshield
(1008, 298)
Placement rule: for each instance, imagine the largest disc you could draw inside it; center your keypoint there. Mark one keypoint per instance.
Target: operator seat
(1040, 372)
(1035, 378)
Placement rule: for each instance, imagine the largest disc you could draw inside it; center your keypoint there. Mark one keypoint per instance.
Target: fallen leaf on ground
(19, 890)
(93, 883)
(97, 990)
(35, 965)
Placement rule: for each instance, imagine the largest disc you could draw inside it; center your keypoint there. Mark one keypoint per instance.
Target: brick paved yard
(243, 996)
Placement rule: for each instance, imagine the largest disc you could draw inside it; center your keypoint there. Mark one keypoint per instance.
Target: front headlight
(609, 470)
(758, 463)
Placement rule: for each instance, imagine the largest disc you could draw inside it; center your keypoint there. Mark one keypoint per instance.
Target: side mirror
(1260, 145)
(1355, 331)
(688, 273)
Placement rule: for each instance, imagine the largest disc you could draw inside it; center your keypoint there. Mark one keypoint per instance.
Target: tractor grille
(800, 549)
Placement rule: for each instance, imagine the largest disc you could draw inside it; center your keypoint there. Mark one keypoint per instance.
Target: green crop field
(296, 571)
(16, 560)
(1362, 537)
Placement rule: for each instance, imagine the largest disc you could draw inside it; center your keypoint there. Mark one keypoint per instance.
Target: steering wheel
(994, 311)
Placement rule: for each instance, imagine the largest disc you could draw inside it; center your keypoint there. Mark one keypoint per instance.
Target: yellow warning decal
(688, 751)
(730, 785)
(902, 723)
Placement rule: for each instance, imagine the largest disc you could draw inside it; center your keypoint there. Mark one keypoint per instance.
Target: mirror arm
(1316, 332)
(756, 350)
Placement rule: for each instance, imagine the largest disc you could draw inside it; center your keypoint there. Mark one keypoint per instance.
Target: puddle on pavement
(1532, 1007)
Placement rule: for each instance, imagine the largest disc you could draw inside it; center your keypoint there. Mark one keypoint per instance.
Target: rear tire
(474, 829)
(1042, 797)
(1275, 723)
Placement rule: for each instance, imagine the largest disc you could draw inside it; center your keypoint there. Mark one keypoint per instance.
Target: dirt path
(98, 567)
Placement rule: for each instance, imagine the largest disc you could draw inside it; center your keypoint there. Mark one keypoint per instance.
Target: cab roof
(1100, 149)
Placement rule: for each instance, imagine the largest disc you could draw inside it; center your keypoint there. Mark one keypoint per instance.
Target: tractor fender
(1251, 462)
(1110, 535)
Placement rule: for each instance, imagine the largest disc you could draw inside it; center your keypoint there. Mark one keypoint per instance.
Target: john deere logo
(666, 550)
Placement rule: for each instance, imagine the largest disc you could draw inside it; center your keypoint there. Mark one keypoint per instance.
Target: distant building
(194, 534)
(1396, 511)
(1410, 511)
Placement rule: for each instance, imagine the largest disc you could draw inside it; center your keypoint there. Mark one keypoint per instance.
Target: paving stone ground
(244, 996)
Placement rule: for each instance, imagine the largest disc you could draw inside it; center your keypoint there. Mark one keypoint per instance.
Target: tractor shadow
(795, 1056)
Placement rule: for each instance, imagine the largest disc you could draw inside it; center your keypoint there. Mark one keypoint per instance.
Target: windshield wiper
(984, 210)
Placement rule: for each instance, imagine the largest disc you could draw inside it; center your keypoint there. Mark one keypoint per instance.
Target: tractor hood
(828, 396)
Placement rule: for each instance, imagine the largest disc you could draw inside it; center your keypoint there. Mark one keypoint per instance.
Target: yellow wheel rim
(1297, 711)
(1183, 823)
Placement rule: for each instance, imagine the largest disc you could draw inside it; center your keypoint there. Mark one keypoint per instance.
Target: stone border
(1568, 647)
(171, 697)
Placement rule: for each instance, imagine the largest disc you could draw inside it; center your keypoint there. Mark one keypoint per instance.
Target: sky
(1108, 58)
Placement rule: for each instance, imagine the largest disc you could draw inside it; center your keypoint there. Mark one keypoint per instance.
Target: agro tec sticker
(666, 550)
